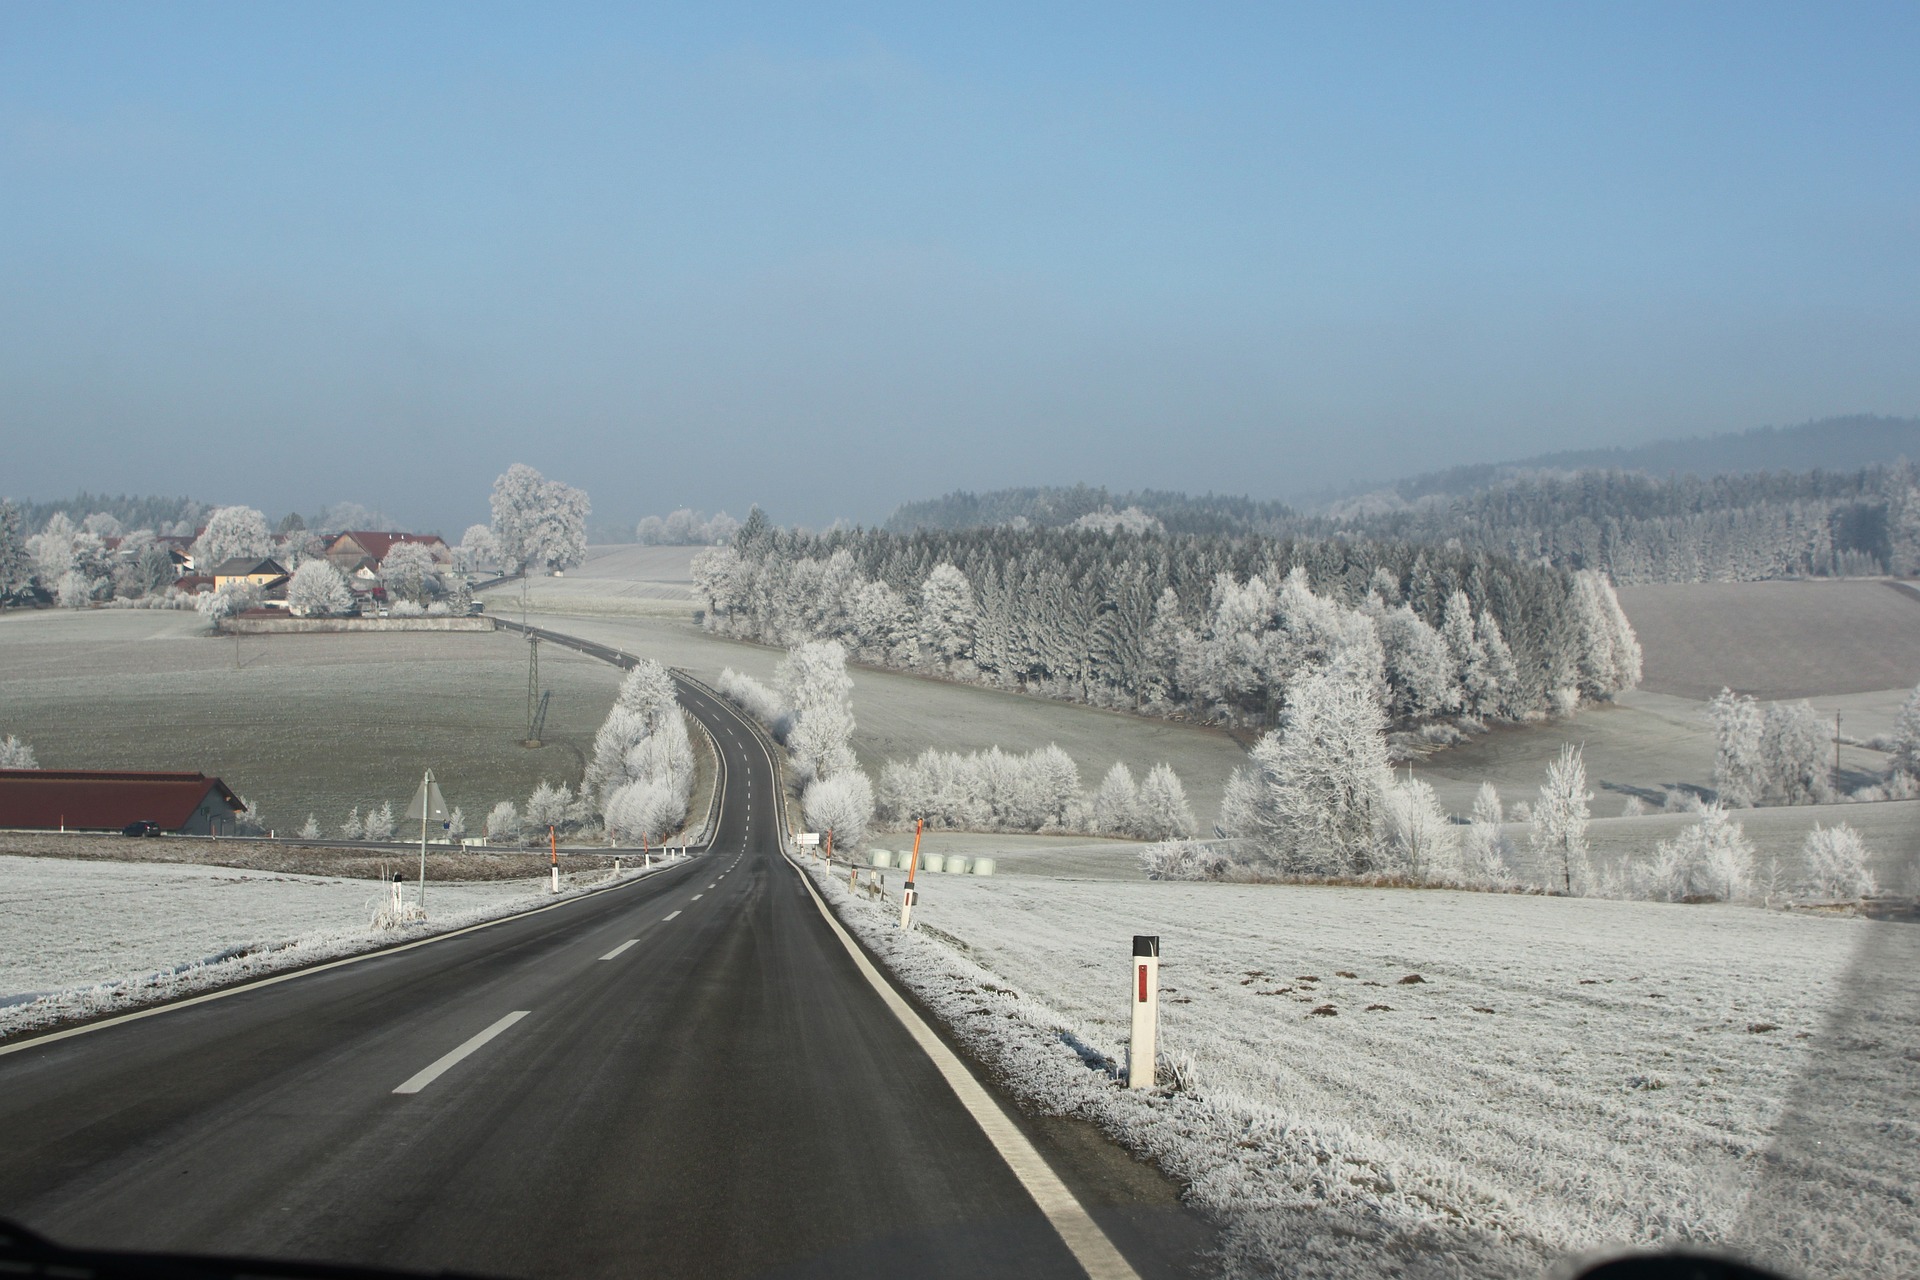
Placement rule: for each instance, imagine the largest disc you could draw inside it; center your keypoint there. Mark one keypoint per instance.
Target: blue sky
(825, 258)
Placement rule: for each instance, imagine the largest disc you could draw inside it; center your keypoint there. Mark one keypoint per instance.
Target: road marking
(696, 897)
(1076, 1227)
(440, 1067)
(622, 947)
(670, 915)
(715, 885)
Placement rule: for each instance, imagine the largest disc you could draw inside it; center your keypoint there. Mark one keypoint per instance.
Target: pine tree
(1163, 812)
(1115, 804)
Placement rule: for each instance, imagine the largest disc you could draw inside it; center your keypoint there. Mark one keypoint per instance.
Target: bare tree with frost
(408, 570)
(503, 822)
(1795, 749)
(1710, 861)
(15, 754)
(547, 806)
(355, 827)
(476, 548)
(1558, 822)
(1488, 854)
(1420, 840)
(379, 822)
(813, 680)
(310, 830)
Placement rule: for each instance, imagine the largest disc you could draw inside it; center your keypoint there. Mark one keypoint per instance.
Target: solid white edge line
(1082, 1235)
(439, 1067)
(670, 915)
(275, 979)
(622, 947)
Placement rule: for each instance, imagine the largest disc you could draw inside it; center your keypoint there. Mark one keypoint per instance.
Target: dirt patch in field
(296, 859)
(1776, 639)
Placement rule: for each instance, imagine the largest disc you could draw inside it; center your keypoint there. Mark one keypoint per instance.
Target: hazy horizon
(831, 262)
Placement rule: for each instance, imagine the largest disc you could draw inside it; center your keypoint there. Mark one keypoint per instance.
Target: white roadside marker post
(1142, 1052)
(553, 844)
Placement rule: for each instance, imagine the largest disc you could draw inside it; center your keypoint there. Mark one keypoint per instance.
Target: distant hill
(1831, 444)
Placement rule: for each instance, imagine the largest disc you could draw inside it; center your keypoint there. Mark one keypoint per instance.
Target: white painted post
(1142, 1052)
(906, 906)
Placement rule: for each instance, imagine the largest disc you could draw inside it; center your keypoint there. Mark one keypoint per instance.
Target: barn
(89, 800)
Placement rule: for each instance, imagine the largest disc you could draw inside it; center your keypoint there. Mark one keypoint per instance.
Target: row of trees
(1211, 627)
(995, 790)
(686, 528)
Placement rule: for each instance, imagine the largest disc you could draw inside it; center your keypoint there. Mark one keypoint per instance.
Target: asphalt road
(684, 1076)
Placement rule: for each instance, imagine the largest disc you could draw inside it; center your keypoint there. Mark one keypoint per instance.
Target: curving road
(687, 1075)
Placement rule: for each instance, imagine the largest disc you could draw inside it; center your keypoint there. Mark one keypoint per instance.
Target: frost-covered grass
(83, 938)
(1775, 639)
(1566, 1075)
(618, 580)
(297, 723)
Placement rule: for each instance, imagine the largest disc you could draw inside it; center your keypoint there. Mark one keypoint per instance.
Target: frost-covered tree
(16, 562)
(1609, 651)
(1421, 673)
(74, 590)
(1488, 855)
(52, 549)
(146, 566)
(408, 570)
(547, 806)
(476, 548)
(842, 804)
(379, 822)
(355, 827)
(1558, 821)
(1711, 861)
(1836, 861)
(1906, 736)
(317, 589)
(503, 822)
(1311, 794)
(1795, 754)
(1739, 768)
(644, 811)
(641, 773)
(456, 823)
(813, 680)
(232, 532)
(948, 616)
(538, 524)
(310, 830)
(15, 754)
(234, 596)
(1115, 803)
(1162, 811)
(758, 701)
(1420, 840)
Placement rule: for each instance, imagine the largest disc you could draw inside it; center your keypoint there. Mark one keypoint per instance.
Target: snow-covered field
(1566, 1075)
(615, 579)
(78, 938)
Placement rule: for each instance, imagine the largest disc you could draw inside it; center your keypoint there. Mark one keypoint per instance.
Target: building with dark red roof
(367, 548)
(88, 800)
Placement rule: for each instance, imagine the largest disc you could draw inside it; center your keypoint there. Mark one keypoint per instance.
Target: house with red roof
(364, 549)
(96, 800)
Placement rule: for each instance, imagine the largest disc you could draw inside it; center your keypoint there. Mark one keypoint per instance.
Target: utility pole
(1836, 752)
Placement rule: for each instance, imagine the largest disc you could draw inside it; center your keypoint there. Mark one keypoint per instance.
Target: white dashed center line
(670, 915)
(617, 950)
(439, 1068)
(696, 897)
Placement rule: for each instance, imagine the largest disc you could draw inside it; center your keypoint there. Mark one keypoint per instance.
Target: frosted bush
(405, 609)
(503, 821)
(547, 806)
(1836, 859)
(354, 828)
(1421, 842)
(1184, 860)
(1711, 861)
(756, 700)
(1633, 808)
(15, 754)
(311, 829)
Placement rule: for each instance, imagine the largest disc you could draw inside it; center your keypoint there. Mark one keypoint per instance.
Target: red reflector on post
(1143, 982)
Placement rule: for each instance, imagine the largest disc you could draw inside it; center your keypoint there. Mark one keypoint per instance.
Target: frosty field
(615, 579)
(1567, 1074)
(78, 938)
(1775, 640)
(296, 723)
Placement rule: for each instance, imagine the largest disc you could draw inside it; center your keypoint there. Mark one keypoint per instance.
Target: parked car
(142, 828)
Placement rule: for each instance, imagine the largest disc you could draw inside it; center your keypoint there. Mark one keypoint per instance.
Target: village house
(361, 551)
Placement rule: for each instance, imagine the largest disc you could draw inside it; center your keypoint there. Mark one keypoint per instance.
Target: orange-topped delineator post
(908, 894)
(1145, 993)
